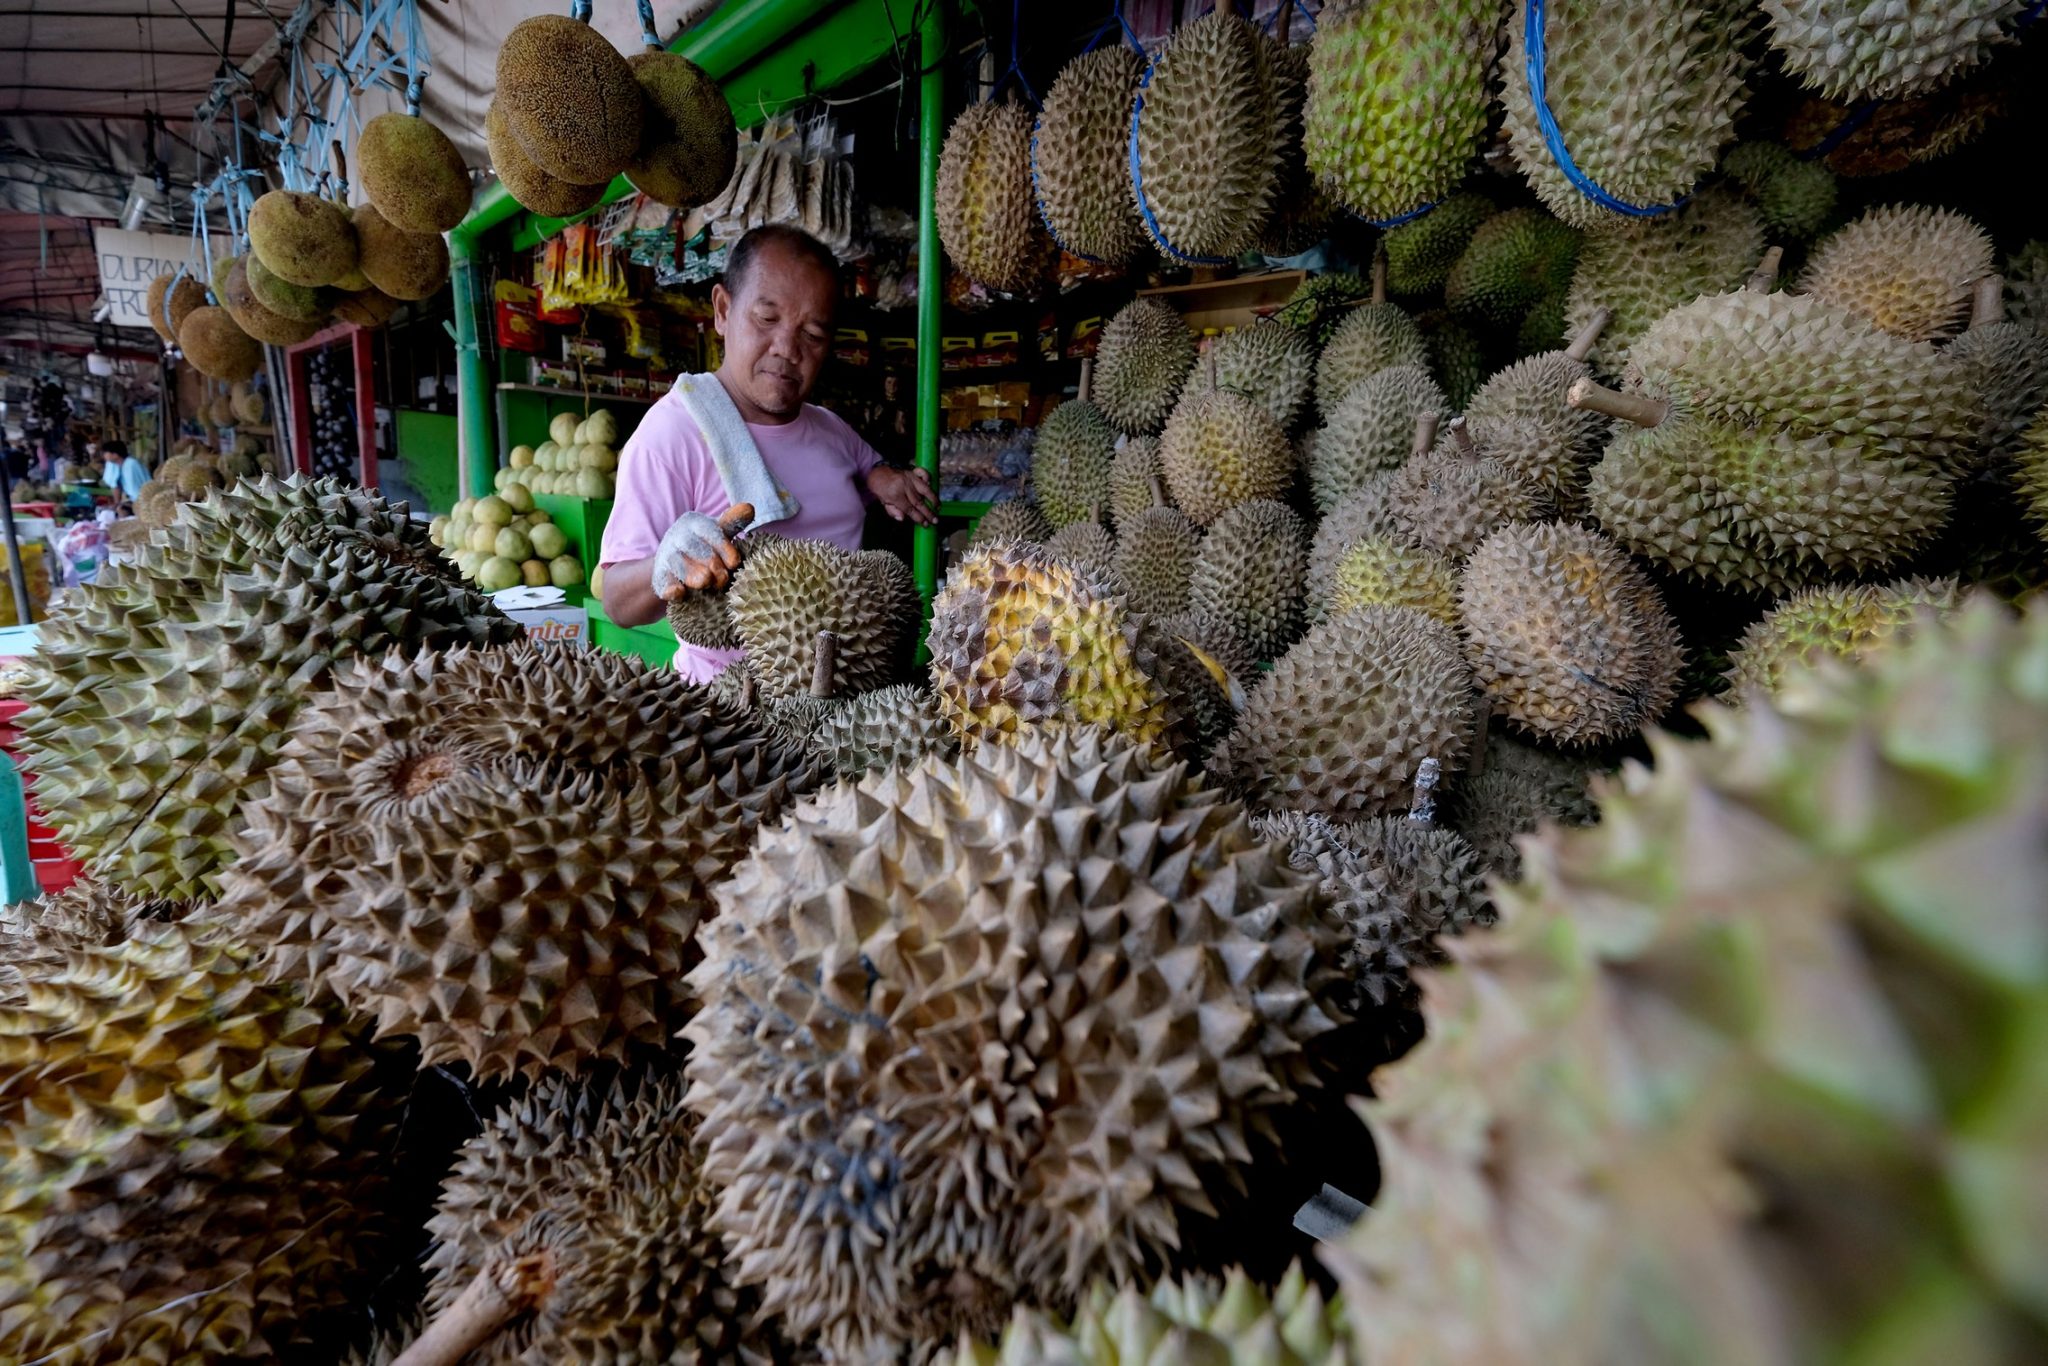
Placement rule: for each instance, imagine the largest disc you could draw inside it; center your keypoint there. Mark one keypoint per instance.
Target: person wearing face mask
(745, 435)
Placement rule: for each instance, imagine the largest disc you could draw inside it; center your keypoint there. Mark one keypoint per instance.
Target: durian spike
(1087, 377)
(1765, 276)
(1597, 398)
(1422, 806)
(1460, 435)
(500, 1293)
(1379, 272)
(1425, 430)
(1582, 345)
(824, 663)
(1987, 301)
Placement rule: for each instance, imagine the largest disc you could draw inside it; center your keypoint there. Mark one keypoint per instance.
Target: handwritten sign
(130, 260)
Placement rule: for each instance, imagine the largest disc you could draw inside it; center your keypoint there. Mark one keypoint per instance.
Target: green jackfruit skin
(215, 343)
(688, 143)
(1777, 1009)
(404, 265)
(252, 317)
(287, 300)
(413, 173)
(304, 239)
(569, 99)
(1398, 100)
(534, 188)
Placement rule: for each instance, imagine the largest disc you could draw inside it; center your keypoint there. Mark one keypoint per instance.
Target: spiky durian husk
(704, 617)
(1908, 268)
(194, 1162)
(1013, 519)
(2030, 462)
(1514, 261)
(163, 691)
(1130, 478)
(504, 853)
(1398, 100)
(1568, 638)
(1590, 1159)
(1070, 463)
(599, 1173)
(878, 1208)
(1372, 430)
(1206, 669)
(1388, 571)
(2008, 363)
(1839, 621)
(1520, 419)
(1420, 254)
(1269, 362)
(1080, 156)
(1155, 561)
(1344, 720)
(1250, 573)
(1880, 49)
(1640, 272)
(1302, 212)
(1142, 360)
(1189, 1319)
(1794, 197)
(2026, 284)
(1449, 499)
(786, 594)
(1518, 788)
(1371, 338)
(988, 216)
(36, 936)
(1090, 549)
(1356, 516)
(1645, 98)
(1542, 326)
(1457, 357)
(887, 728)
(1320, 303)
(1020, 641)
(1203, 152)
(1220, 449)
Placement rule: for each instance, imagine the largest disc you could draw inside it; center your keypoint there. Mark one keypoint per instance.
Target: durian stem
(1379, 272)
(1284, 29)
(1765, 276)
(1461, 437)
(1209, 366)
(1987, 301)
(341, 170)
(1582, 345)
(824, 664)
(1595, 398)
(1482, 717)
(748, 700)
(1087, 377)
(1425, 431)
(1158, 492)
(498, 1294)
(1422, 806)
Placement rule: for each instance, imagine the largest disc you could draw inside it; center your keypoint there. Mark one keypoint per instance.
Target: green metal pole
(931, 53)
(478, 449)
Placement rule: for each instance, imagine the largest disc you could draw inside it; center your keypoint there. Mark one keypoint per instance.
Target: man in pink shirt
(774, 311)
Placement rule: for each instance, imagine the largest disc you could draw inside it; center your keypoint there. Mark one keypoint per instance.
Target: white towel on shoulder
(740, 467)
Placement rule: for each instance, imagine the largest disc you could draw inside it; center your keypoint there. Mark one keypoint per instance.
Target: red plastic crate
(55, 868)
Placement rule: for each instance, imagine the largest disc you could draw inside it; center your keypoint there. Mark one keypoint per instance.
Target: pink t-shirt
(666, 470)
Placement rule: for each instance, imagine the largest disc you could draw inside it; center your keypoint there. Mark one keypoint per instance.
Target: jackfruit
(1907, 268)
(413, 173)
(304, 239)
(569, 99)
(988, 217)
(1249, 575)
(217, 346)
(1142, 360)
(273, 329)
(168, 305)
(403, 265)
(534, 188)
(370, 307)
(1204, 160)
(688, 143)
(294, 302)
(1080, 156)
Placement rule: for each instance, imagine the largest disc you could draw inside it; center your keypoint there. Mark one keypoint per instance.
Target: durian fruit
(2026, 284)
(1420, 254)
(1570, 640)
(218, 347)
(890, 727)
(1881, 49)
(704, 617)
(1637, 273)
(1269, 362)
(403, 265)
(1375, 336)
(1720, 1088)
(688, 143)
(1795, 197)
(1013, 519)
(2008, 367)
(988, 217)
(194, 1162)
(264, 324)
(533, 187)
(1457, 356)
(1302, 213)
(1187, 1319)
(1134, 478)
(1520, 417)
(1644, 97)
(1837, 621)
(569, 99)
(1513, 790)
(1089, 547)
(1020, 640)
(1907, 268)
(1250, 573)
(1322, 302)
(413, 173)
(600, 1175)
(788, 592)
(1449, 498)
(1080, 156)
(1221, 448)
(1514, 261)
(1155, 561)
(168, 304)
(1398, 97)
(504, 854)
(2031, 472)
(1372, 430)
(1542, 327)
(302, 238)
(1204, 157)
(1345, 719)
(1070, 462)
(1356, 516)
(1388, 571)
(1142, 359)
(875, 1059)
(1205, 667)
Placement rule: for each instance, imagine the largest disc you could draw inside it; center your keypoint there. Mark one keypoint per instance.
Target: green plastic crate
(582, 521)
(655, 643)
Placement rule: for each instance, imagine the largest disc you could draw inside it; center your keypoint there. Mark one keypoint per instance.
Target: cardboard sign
(568, 626)
(130, 260)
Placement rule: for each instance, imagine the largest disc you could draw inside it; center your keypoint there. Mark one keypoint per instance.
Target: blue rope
(649, 35)
(1553, 137)
(1138, 182)
(579, 10)
(1016, 69)
(1398, 219)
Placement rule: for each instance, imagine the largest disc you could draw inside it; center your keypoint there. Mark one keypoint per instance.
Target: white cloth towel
(740, 467)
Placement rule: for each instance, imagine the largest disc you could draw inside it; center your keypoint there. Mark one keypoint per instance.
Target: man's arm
(629, 596)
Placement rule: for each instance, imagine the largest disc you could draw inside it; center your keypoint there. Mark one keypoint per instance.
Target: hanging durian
(1142, 359)
(1838, 621)
(987, 214)
(1080, 156)
(1420, 254)
(1249, 575)
(1880, 49)
(1204, 156)
(1302, 212)
(1908, 268)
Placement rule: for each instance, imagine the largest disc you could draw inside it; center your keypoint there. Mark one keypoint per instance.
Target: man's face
(777, 330)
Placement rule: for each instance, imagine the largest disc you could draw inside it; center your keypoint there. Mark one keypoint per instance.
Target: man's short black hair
(114, 445)
(739, 266)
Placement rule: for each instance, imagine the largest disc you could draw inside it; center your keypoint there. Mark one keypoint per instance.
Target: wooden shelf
(1236, 302)
(588, 395)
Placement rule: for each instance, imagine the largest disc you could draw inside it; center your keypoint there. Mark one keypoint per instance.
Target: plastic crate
(55, 868)
(655, 643)
(582, 521)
